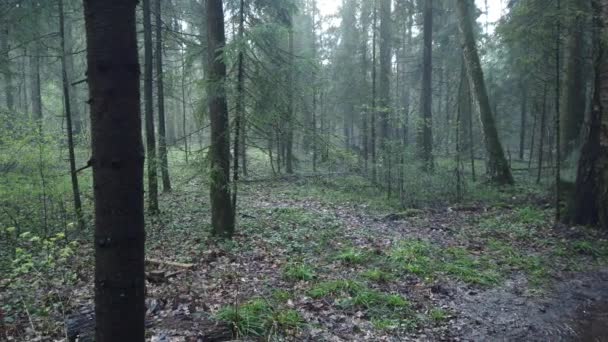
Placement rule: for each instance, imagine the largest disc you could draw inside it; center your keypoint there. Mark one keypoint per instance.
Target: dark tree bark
(425, 133)
(498, 167)
(523, 120)
(160, 93)
(149, 111)
(588, 205)
(117, 161)
(542, 134)
(573, 95)
(240, 103)
(68, 119)
(222, 216)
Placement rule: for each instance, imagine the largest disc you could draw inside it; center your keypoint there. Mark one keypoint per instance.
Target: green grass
(378, 275)
(259, 318)
(352, 256)
(335, 287)
(298, 271)
(372, 299)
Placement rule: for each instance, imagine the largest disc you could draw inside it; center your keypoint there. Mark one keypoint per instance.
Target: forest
(303, 170)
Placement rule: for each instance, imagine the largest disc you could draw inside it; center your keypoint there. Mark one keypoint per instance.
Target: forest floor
(326, 259)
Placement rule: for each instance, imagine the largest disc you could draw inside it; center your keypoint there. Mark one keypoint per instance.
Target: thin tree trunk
(240, 103)
(183, 88)
(290, 102)
(542, 133)
(425, 138)
(314, 90)
(5, 64)
(522, 122)
(35, 84)
(149, 112)
(557, 115)
(160, 93)
(117, 161)
(498, 167)
(222, 216)
(384, 87)
(373, 109)
(68, 117)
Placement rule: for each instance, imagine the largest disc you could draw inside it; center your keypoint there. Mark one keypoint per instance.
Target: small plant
(281, 296)
(414, 257)
(258, 318)
(249, 319)
(288, 319)
(298, 271)
(352, 256)
(438, 315)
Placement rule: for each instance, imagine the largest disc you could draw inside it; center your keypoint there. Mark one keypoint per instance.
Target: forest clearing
(303, 170)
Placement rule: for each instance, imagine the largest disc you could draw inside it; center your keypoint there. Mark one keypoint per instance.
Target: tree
(497, 165)
(117, 162)
(588, 204)
(222, 216)
(425, 138)
(160, 92)
(384, 90)
(5, 62)
(149, 111)
(68, 119)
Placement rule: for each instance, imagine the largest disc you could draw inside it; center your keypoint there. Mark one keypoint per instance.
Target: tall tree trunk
(35, 94)
(573, 94)
(365, 23)
(240, 102)
(160, 93)
(425, 138)
(77, 118)
(588, 205)
(542, 134)
(290, 102)
(384, 89)
(522, 122)
(185, 133)
(373, 108)
(498, 167)
(222, 216)
(68, 117)
(149, 111)
(5, 64)
(314, 89)
(117, 161)
(558, 157)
